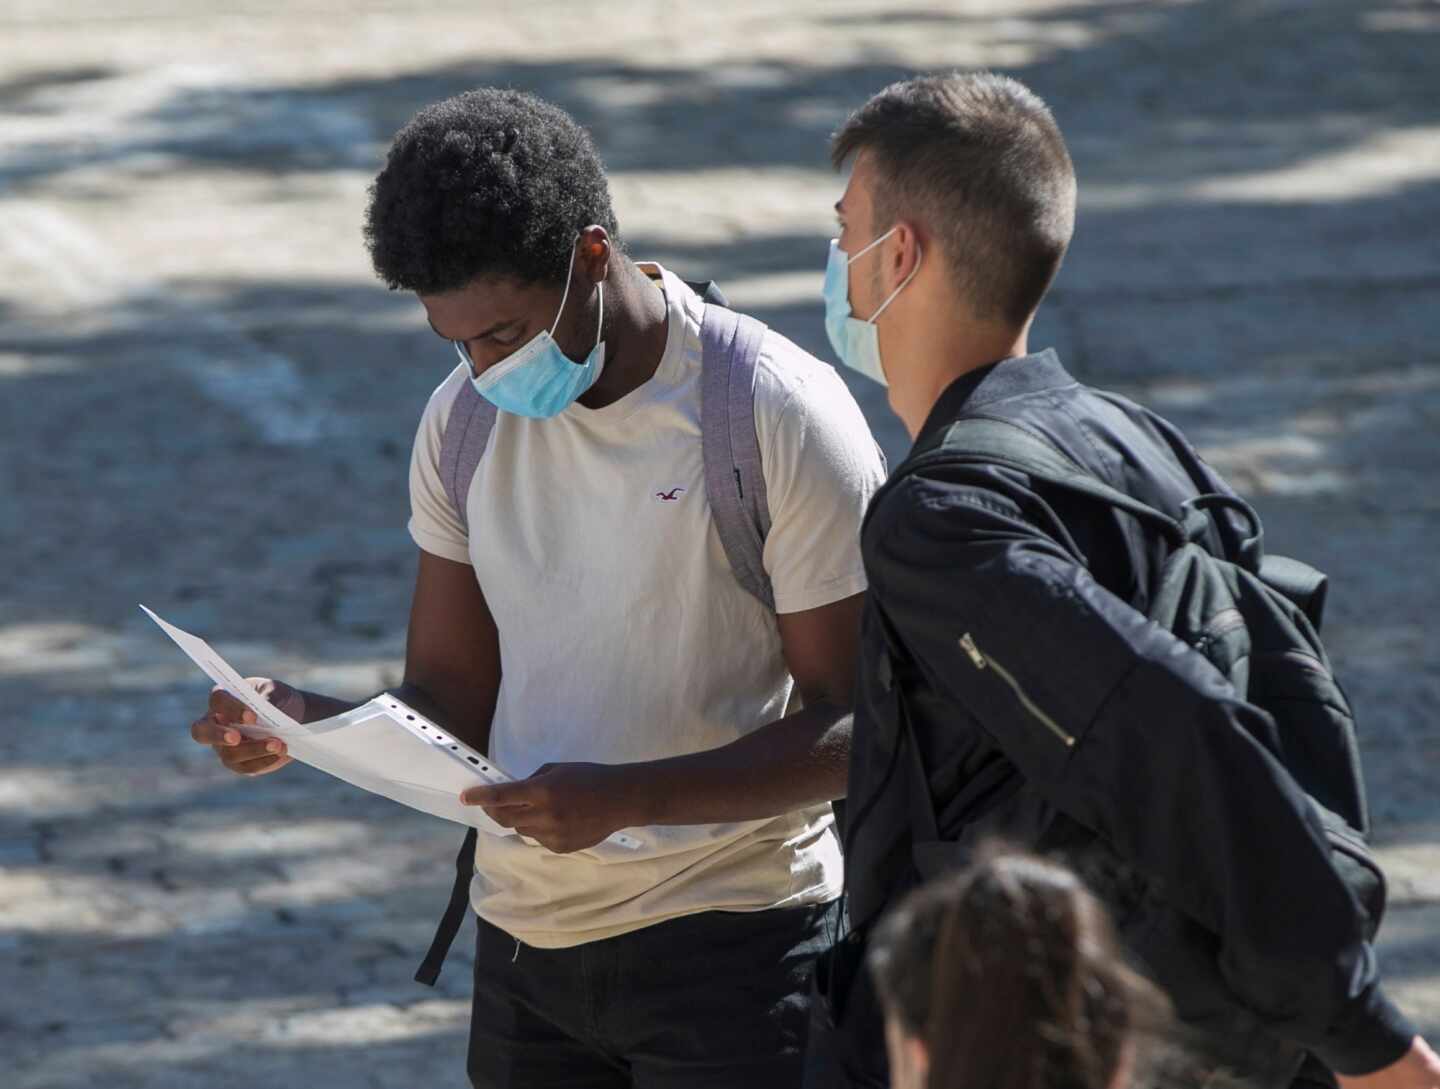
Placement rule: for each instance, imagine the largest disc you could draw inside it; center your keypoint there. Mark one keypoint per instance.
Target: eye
(508, 339)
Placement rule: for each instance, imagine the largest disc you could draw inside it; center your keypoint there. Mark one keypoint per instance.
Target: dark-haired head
(1008, 976)
(489, 184)
(977, 160)
(485, 201)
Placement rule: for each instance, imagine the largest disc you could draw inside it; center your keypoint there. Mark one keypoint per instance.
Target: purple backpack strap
(467, 432)
(734, 484)
(734, 477)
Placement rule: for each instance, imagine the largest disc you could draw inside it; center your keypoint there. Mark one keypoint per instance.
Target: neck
(941, 354)
(634, 330)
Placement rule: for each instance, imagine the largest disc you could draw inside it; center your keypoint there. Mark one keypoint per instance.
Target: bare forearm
(318, 706)
(462, 708)
(795, 762)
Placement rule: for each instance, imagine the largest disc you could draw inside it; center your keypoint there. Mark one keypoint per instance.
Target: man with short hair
(1011, 683)
(579, 615)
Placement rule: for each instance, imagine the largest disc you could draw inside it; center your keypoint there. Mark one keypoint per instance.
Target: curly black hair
(492, 182)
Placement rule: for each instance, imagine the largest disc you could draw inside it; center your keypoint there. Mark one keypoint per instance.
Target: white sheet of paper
(371, 748)
(384, 746)
(220, 671)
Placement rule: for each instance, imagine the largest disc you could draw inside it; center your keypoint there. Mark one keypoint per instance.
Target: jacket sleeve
(1127, 730)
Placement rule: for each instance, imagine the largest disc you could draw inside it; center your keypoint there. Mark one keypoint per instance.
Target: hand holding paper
(565, 807)
(226, 717)
(220, 671)
(383, 746)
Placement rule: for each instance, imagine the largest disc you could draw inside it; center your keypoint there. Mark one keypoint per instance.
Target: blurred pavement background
(208, 405)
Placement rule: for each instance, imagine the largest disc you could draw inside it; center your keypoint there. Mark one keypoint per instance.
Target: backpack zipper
(981, 661)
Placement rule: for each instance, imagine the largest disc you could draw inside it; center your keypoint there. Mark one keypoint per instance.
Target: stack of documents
(384, 746)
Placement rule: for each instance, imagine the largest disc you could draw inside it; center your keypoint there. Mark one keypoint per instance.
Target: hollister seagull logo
(672, 496)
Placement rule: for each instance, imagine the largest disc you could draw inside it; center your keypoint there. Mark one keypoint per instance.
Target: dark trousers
(717, 1000)
(847, 1025)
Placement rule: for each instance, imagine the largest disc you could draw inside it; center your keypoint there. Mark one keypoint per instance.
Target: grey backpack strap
(734, 476)
(467, 431)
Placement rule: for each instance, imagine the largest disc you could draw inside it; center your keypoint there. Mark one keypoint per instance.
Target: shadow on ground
(1218, 303)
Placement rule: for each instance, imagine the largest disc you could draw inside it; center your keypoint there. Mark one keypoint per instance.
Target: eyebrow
(462, 340)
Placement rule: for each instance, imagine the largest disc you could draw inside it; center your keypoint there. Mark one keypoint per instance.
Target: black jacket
(1099, 735)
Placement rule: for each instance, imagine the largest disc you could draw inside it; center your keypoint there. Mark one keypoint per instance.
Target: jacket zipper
(981, 661)
(1222, 623)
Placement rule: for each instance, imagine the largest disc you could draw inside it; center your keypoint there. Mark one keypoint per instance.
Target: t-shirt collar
(683, 309)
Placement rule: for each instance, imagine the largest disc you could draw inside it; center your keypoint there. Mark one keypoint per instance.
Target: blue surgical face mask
(537, 379)
(856, 342)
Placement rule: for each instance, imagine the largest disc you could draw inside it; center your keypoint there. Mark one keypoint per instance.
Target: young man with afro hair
(577, 617)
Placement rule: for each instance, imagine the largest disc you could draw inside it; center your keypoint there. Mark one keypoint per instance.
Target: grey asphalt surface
(208, 405)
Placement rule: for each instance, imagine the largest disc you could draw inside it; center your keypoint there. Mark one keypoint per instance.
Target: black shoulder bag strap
(455, 912)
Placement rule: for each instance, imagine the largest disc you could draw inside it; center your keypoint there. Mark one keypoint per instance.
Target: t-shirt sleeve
(821, 468)
(434, 523)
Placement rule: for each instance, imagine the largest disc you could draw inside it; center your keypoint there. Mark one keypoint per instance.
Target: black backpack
(1254, 617)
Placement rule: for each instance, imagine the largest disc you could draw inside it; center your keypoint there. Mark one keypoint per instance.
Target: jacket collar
(1013, 377)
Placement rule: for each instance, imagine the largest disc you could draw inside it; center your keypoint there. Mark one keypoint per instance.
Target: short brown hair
(978, 159)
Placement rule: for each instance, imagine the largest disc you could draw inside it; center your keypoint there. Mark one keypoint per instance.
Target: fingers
(262, 766)
(504, 818)
(242, 755)
(248, 751)
(510, 816)
(214, 729)
(254, 757)
(556, 839)
(499, 795)
(227, 708)
(544, 832)
(210, 731)
(219, 728)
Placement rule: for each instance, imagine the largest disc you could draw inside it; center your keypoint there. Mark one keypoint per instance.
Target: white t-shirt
(624, 634)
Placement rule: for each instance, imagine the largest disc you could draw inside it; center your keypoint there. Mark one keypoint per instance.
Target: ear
(902, 254)
(593, 256)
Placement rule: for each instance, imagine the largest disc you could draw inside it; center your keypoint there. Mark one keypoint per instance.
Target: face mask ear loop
(919, 255)
(866, 249)
(565, 295)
